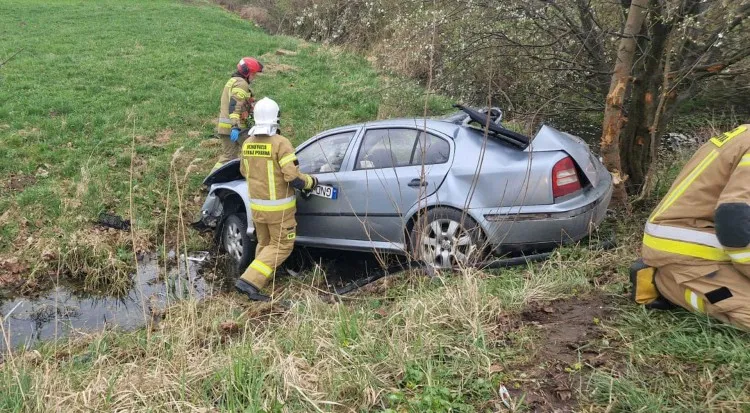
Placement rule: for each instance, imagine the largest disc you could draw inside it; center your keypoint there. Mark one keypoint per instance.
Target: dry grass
(314, 356)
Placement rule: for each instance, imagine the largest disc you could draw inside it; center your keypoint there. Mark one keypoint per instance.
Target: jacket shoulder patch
(727, 136)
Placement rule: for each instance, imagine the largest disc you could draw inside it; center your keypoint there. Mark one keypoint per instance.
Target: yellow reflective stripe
(740, 256)
(286, 159)
(234, 116)
(230, 83)
(271, 181)
(225, 125)
(273, 208)
(239, 92)
(685, 248)
(247, 173)
(309, 181)
(683, 186)
(261, 268)
(694, 300)
(745, 161)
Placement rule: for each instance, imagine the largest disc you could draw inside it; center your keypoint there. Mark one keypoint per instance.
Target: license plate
(325, 191)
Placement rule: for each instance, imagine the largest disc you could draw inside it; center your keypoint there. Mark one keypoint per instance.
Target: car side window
(430, 150)
(325, 154)
(386, 148)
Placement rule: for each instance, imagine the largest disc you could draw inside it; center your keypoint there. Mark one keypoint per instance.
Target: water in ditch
(66, 311)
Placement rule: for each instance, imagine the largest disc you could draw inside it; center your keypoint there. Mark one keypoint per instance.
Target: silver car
(449, 191)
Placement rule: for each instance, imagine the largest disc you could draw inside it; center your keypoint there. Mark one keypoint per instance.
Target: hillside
(112, 102)
(101, 90)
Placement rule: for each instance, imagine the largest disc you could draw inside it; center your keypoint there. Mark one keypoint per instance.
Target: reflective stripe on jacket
(272, 172)
(705, 216)
(236, 99)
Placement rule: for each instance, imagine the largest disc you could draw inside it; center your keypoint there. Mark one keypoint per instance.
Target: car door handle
(416, 183)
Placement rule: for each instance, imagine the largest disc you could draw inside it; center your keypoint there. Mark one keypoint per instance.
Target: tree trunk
(613, 116)
(636, 139)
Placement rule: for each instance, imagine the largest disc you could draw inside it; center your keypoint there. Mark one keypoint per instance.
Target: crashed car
(450, 191)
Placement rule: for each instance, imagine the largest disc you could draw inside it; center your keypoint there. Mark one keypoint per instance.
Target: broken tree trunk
(613, 116)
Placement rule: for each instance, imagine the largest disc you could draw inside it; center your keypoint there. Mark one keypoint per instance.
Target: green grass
(96, 78)
(95, 75)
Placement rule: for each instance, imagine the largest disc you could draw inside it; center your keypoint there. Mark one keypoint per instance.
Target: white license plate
(325, 191)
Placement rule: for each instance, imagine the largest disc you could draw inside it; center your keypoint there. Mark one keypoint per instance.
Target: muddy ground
(569, 345)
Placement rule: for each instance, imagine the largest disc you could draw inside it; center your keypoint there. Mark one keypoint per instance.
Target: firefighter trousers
(718, 290)
(229, 150)
(275, 244)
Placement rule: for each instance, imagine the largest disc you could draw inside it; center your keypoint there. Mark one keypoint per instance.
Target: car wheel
(447, 238)
(236, 243)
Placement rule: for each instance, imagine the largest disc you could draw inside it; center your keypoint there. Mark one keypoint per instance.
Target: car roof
(433, 124)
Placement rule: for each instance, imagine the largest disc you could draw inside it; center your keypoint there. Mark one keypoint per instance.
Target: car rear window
(386, 148)
(430, 150)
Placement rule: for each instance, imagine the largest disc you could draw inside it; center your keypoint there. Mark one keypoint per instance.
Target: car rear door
(393, 169)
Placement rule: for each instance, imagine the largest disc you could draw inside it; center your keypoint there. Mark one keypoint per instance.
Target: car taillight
(565, 178)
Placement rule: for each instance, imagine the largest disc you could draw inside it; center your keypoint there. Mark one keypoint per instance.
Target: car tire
(235, 242)
(446, 238)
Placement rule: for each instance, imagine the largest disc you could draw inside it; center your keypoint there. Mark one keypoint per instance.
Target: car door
(325, 158)
(394, 168)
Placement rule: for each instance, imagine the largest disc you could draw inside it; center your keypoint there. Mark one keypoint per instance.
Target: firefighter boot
(248, 289)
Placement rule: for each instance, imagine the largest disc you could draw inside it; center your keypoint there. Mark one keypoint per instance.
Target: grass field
(103, 88)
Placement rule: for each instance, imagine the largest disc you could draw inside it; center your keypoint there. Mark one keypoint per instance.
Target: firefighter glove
(235, 134)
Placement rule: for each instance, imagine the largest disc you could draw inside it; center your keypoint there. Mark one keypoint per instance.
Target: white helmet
(266, 115)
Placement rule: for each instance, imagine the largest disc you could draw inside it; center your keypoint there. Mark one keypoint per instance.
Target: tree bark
(613, 116)
(639, 135)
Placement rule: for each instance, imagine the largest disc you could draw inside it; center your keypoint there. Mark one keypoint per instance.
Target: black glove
(305, 194)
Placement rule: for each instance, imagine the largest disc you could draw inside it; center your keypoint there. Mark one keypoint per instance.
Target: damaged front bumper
(210, 214)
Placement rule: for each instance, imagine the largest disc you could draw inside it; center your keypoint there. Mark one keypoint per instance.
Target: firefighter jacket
(705, 216)
(272, 172)
(236, 103)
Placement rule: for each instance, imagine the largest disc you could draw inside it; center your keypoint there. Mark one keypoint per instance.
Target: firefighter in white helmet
(272, 173)
(696, 246)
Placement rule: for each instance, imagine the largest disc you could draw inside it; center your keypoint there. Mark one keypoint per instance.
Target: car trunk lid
(549, 139)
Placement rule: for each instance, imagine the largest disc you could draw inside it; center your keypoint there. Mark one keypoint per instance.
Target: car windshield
(325, 154)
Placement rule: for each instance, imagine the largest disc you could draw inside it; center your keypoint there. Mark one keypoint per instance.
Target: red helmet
(249, 65)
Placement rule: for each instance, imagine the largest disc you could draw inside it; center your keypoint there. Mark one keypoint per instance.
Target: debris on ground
(113, 221)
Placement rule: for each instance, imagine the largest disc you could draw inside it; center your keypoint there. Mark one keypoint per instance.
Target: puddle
(65, 311)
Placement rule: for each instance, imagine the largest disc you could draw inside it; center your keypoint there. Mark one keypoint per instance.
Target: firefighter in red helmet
(236, 107)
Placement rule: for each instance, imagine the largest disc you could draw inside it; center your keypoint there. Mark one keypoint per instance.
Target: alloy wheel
(233, 240)
(445, 243)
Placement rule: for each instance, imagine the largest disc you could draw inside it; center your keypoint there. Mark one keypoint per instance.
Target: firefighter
(272, 172)
(696, 245)
(236, 107)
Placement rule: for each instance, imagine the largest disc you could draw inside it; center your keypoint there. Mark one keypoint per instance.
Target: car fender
(239, 188)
